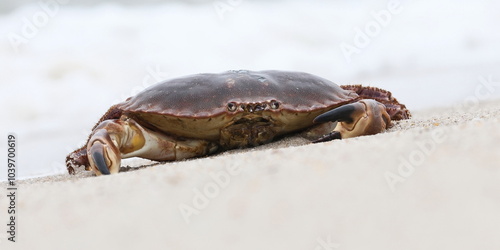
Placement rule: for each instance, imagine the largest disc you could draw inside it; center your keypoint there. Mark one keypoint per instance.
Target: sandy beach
(430, 182)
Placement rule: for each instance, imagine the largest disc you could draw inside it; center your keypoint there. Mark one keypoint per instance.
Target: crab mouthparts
(251, 120)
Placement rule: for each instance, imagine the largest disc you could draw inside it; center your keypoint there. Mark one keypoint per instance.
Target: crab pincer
(365, 117)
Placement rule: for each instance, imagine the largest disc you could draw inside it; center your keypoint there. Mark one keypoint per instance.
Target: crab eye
(231, 106)
(274, 104)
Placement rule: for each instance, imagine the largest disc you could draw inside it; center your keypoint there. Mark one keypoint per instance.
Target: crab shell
(201, 114)
(199, 106)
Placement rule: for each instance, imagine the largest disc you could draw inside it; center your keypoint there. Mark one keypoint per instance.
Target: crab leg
(113, 140)
(365, 117)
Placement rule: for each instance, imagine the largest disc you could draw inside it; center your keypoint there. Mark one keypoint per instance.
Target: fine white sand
(431, 182)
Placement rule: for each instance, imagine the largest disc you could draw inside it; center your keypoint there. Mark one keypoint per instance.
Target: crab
(202, 114)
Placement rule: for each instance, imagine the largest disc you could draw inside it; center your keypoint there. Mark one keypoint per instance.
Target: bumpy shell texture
(207, 95)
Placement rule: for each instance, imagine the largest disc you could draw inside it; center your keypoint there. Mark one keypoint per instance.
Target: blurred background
(64, 63)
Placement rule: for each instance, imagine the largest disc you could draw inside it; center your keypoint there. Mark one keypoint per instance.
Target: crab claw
(341, 114)
(366, 117)
(104, 156)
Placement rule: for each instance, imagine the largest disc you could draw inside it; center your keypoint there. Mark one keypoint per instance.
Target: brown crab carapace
(201, 114)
